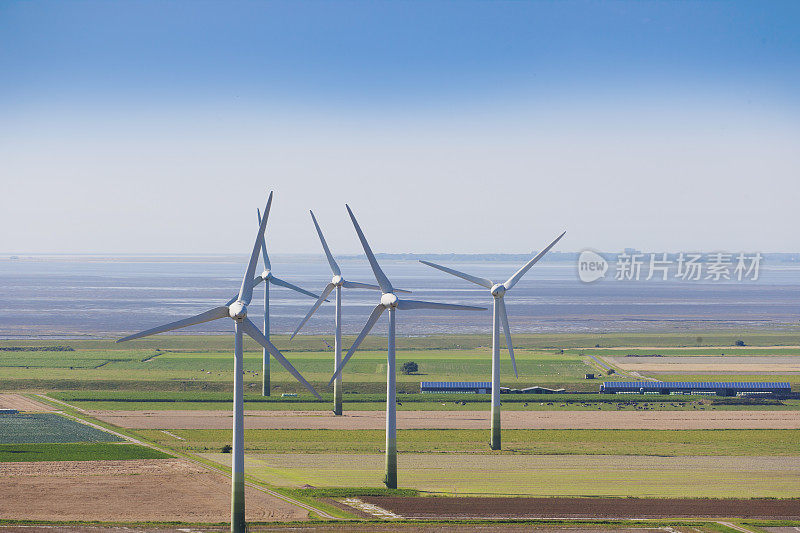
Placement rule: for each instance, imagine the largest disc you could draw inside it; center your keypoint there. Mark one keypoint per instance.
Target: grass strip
(77, 452)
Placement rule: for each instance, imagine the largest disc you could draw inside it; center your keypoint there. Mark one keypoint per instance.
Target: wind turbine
(391, 302)
(237, 310)
(337, 282)
(499, 315)
(267, 277)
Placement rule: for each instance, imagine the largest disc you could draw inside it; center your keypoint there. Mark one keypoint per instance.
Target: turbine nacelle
(266, 275)
(498, 290)
(389, 300)
(337, 281)
(237, 310)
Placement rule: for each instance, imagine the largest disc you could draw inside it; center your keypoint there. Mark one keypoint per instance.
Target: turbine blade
(373, 318)
(521, 272)
(316, 305)
(256, 281)
(483, 282)
(264, 241)
(383, 281)
(282, 283)
(331, 260)
(507, 334)
(418, 304)
(208, 316)
(256, 335)
(359, 285)
(246, 292)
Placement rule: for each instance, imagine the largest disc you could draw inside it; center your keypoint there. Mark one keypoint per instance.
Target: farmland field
(516, 441)
(173, 392)
(76, 452)
(53, 437)
(48, 427)
(137, 490)
(356, 420)
(538, 475)
(192, 362)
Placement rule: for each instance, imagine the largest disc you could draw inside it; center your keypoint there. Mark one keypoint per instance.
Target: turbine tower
(499, 315)
(267, 277)
(389, 301)
(237, 310)
(337, 282)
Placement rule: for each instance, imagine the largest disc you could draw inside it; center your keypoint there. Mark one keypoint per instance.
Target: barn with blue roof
(475, 387)
(719, 388)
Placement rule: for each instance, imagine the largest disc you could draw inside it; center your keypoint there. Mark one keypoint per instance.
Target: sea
(94, 296)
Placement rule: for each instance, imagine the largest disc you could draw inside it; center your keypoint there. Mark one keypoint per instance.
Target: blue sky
(626, 123)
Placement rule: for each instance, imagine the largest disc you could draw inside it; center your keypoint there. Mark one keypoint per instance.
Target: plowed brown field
(141, 490)
(441, 507)
(21, 403)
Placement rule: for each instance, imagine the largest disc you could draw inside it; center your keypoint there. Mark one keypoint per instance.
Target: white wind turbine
(337, 282)
(236, 310)
(498, 291)
(268, 277)
(391, 302)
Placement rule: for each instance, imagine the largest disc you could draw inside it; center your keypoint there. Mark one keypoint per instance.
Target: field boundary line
(55, 400)
(735, 526)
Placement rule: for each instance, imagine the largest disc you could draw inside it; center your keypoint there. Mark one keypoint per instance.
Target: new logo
(591, 266)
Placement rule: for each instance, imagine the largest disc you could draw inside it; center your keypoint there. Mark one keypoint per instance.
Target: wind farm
(618, 179)
(337, 282)
(405, 454)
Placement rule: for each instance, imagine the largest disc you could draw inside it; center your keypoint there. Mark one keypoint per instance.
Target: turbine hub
(337, 281)
(388, 300)
(266, 275)
(237, 310)
(498, 290)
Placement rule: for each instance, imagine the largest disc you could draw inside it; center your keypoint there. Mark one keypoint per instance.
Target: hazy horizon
(155, 127)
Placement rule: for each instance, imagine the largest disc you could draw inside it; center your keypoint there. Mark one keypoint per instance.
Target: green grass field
(194, 362)
(532, 475)
(194, 372)
(76, 452)
(516, 441)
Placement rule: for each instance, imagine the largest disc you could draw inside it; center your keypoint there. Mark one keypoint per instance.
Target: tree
(410, 367)
(739, 343)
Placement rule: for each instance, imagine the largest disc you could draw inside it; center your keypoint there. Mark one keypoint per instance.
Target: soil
(759, 364)
(446, 507)
(23, 404)
(457, 419)
(138, 490)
